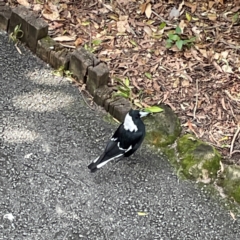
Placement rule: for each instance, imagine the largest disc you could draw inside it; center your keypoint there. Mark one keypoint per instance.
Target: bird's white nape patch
(129, 124)
(105, 162)
(113, 139)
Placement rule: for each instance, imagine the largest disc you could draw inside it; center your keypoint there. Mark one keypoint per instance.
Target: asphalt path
(48, 136)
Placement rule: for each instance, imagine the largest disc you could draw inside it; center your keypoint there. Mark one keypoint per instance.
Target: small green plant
(125, 90)
(92, 47)
(61, 71)
(176, 39)
(16, 34)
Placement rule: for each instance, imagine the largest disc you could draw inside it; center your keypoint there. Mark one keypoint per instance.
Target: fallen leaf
(182, 25)
(50, 12)
(232, 215)
(185, 83)
(148, 30)
(191, 5)
(143, 6)
(37, 7)
(122, 24)
(78, 41)
(227, 69)
(25, 3)
(148, 10)
(212, 16)
(64, 38)
(174, 13)
(142, 214)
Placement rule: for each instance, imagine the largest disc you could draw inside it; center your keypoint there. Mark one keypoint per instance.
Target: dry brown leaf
(122, 24)
(185, 83)
(37, 7)
(210, 4)
(64, 38)
(78, 41)
(191, 5)
(24, 3)
(182, 25)
(212, 16)
(227, 69)
(143, 6)
(50, 12)
(148, 10)
(232, 215)
(148, 30)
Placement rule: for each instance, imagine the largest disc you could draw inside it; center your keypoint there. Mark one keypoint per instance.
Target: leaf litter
(201, 83)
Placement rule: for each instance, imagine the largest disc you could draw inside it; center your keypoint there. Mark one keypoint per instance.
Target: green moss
(197, 159)
(109, 119)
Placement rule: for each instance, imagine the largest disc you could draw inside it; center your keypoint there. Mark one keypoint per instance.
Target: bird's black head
(136, 114)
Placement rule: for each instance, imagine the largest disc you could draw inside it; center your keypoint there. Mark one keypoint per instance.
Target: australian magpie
(125, 141)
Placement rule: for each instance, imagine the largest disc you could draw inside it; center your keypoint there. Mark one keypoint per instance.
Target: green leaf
(148, 75)
(168, 45)
(188, 16)
(85, 23)
(153, 109)
(162, 25)
(235, 18)
(178, 30)
(173, 37)
(133, 43)
(120, 94)
(127, 82)
(96, 42)
(179, 44)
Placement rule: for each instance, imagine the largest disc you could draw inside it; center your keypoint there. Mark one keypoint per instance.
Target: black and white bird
(125, 141)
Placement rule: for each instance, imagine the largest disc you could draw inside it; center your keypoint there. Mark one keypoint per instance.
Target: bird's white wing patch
(113, 139)
(129, 124)
(123, 149)
(95, 160)
(105, 162)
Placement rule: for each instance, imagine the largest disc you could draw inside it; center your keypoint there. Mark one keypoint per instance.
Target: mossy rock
(230, 182)
(162, 128)
(198, 160)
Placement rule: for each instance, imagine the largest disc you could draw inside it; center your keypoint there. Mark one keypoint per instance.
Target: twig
(230, 45)
(195, 107)
(84, 99)
(233, 140)
(163, 20)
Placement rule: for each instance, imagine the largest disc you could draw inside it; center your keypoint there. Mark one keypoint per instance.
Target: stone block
(37, 29)
(33, 27)
(20, 15)
(97, 76)
(59, 58)
(5, 14)
(44, 47)
(119, 108)
(80, 61)
(102, 94)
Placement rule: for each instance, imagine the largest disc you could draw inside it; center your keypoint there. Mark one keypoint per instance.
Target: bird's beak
(143, 114)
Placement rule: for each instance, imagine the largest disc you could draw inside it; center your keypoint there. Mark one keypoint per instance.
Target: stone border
(94, 73)
(82, 63)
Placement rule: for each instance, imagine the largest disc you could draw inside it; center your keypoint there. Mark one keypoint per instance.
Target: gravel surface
(48, 136)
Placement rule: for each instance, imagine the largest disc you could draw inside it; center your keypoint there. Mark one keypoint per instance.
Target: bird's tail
(101, 161)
